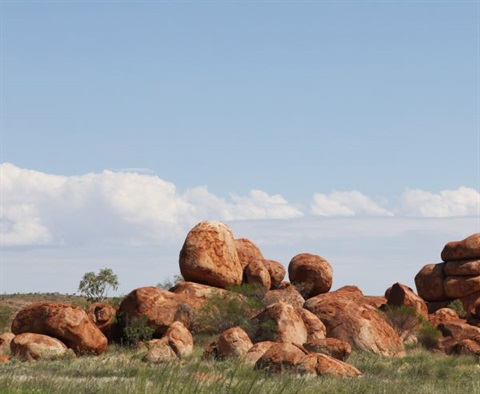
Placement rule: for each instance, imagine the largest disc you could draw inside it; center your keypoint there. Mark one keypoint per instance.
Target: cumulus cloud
(463, 201)
(349, 203)
(111, 207)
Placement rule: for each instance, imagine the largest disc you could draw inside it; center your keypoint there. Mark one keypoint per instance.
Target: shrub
(6, 317)
(137, 329)
(168, 283)
(403, 319)
(457, 306)
(428, 335)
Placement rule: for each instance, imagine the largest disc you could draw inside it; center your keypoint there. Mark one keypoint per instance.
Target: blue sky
(125, 123)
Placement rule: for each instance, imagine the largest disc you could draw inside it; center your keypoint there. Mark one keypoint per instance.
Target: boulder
(349, 318)
(257, 351)
(5, 340)
(233, 343)
(468, 248)
(436, 305)
(277, 272)
(180, 339)
(257, 274)
(469, 347)
(68, 323)
(375, 301)
(456, 332)
(442, 316)
(4, 358)
(195, 290)
(247, 251)
(461, 286)
(429, 282)
(280, 357)
(401, 295)
(471, 304)
(286, 293)
(332, 347)
(159, 350)
(311, 274)
(321, 364)
(279, 322)
(315, 328)
(462, 268)
(31, 347)
(104, 316)
(209, 256)
(160, 307)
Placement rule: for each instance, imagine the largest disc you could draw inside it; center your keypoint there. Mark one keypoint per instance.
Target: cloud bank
(133, 208)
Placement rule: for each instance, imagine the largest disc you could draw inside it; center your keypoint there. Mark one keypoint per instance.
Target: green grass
(122, 370)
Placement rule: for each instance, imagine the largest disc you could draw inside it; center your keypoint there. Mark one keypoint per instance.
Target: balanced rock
(429, 282)
(321, 364)
(31, 347)
(247, 251)
(280, 357)
(315, 328)
(160, 307)
(209, 256)
(468, 248)
(462, 268)
(180, 339)
(233, 343)
(332, 347)
(349, 318)
(257, 351)
(311, 274)
(257, 274)
(279, 322)
(277, 272)
(70, 324)
(461, 286)
(401, 295)
(104, 316)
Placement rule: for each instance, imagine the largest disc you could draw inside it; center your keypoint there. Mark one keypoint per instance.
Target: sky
(347, 129)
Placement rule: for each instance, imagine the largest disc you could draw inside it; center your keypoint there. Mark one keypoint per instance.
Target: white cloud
(112, 207)
(463, 201)
(350, 203)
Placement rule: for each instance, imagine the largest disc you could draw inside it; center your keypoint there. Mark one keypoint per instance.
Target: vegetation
(96, 287)
(168, 283)
(6, 317)
(137, 330)
(457, 306)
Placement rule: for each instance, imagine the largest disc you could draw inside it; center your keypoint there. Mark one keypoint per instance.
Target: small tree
(96, 287)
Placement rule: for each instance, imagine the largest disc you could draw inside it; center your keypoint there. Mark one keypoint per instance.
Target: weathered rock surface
(468, 248)
(467, 347)
(160, 307)
(277, 272)
(247, 251)
(429, 282)
(434, 306)
(104, 316)
(233, 343)
(68, 323)
(160, 350)
(456, 332)
(461, 286)
(4, 358)
(180, 339)
(257, 274)
(332, 347)
(311, 274)
(279, 322)
(209, 256)
(321, 364)
(349, 318)
(443, 316)
(31, 347)
(257, 351)
(315, 328)
(5, 340)
(195, 290)
(401, 295)
(280, 357)
(286, 293)
(375, 301)
(462, 268)
(471, 304)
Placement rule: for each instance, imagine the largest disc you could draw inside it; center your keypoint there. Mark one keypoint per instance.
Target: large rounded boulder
(429, 282)
(32, 347)
(311, 274)
(401, 295)
(209, 256)
(70, 324)
(247, 251)
(468, 248)
(104, 316)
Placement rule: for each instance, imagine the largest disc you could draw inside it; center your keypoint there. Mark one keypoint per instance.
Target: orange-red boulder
(160, 307)
(277, 272)
(195, 290)
(281, 357)
(159, 350)
(471, 304)
(443, 316)
(462, 268)
(233, 343)
(209, 256)
(70, 324)
(257, 351)
(5, 340)
(429, 282)
(321, 364)
(315, 328)
(4, 358)
(31, 347)
(349, 318)
(279, 322)
(257, 274)
(180, 339)
(247, 251)
(468, 248)
(104, 316)
(311, 274)
(461, 286)
(402, 295)
(332, 347)
(285, 293)
(454, 333)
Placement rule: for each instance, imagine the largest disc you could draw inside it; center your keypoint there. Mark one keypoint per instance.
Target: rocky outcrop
(315, 328)
(104, 316)
(180, 339)
(279, 322)
(277, 272)
(247, 251)
(195, 290)
(285, 293)
(332, 347)
(257, 351)
(462, 268)
(461, 286)
(160, 350)
(209, 256)
(401, 295)
(69, 324)
(257, 274)
(280, 357)
(468, 248)
(443, 316)
(349, 318)
(32, 347)
(321, 364)
(311, 274)
(160, 307)
(456, 332)
(233, 343)
(429, 282)
(5, 340)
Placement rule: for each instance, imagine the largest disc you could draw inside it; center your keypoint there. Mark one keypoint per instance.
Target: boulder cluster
(304, 326)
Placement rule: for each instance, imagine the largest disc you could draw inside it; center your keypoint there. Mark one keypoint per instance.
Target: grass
(121, 370)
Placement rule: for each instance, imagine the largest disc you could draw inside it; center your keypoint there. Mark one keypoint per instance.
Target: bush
(6, 317)
(137, 329)
(428, 335)
(403, 319)
(457, 306)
